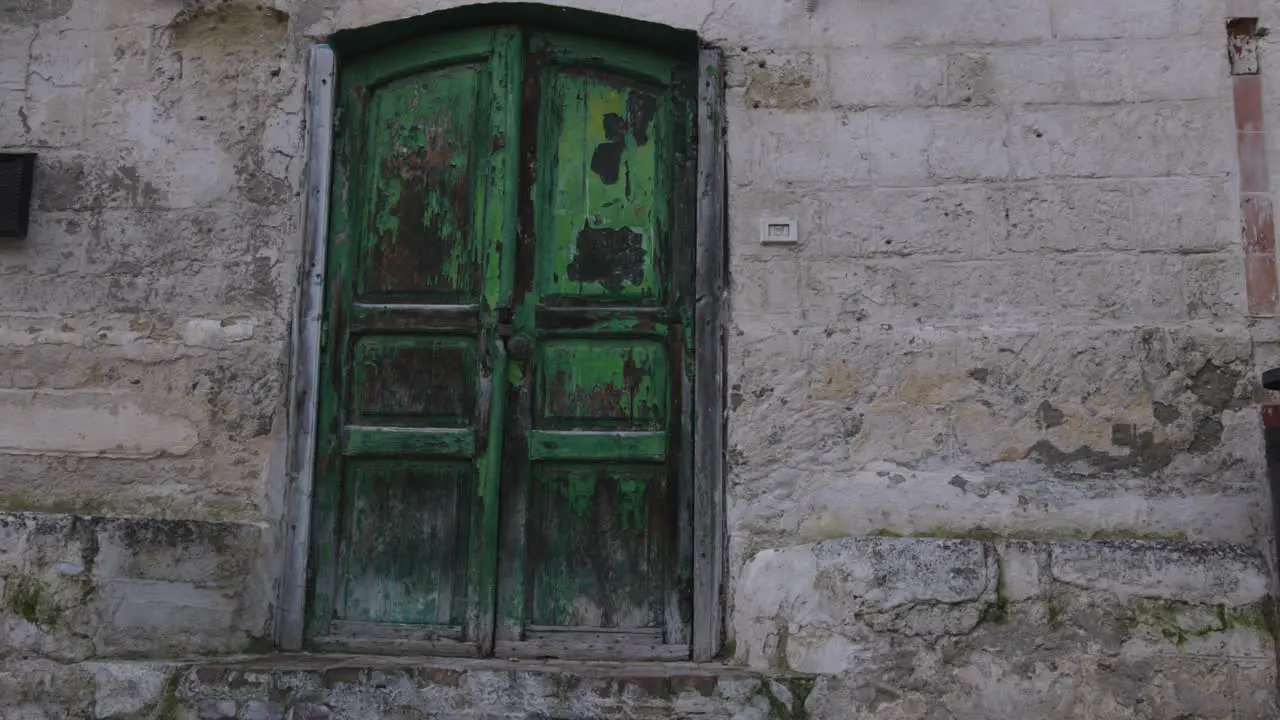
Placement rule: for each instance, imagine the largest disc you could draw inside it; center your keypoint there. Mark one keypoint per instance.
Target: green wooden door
(505, 419)
(595, 552)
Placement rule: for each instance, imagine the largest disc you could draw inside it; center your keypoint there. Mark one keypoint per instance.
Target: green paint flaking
(631, 503)
(578, 491)
(420, 209)
(427, 201)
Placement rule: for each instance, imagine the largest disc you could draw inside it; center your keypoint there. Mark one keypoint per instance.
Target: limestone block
(1023, 570)
(912, 147)
(862, 77)
(124, 690)
(1066, 216)
(1133, 140)
(1191, 573)
(817, 147)
(1098, 19)
(810, 607)
(15, 47)
(80, 587)
(89, 424)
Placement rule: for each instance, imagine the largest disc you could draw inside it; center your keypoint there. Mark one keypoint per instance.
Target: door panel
(418, 244)
(406, 506)
(406, 551)
(504, 413)
(599, 542)
(603, 189)
(414, 381)
(594, 551)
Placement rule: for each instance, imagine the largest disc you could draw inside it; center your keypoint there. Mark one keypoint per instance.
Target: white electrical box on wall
(778, 231)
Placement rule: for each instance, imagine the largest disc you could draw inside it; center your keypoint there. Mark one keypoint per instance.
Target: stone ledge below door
(333, 687)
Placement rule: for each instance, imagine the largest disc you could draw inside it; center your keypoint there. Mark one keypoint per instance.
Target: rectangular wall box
(16, 173)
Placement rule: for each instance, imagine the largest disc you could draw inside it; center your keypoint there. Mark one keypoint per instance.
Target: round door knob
(519, 347)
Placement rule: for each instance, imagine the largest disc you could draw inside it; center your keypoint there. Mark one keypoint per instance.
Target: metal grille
(16, 170)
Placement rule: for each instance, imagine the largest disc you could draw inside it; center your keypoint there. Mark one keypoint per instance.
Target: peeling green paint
(505, 322)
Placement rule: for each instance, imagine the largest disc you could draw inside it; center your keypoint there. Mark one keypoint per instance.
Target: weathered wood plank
(307, 334)
(533, 650)
(598, 545)
(394, 631)
(404, 554)
(370, 317)
(616, 638)
(709, 384)
(603, 322)
(364, 646)
(409, 442)
(597, 445)
(648, 636)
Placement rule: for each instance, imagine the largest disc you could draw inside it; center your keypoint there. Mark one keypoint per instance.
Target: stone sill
(341, 668)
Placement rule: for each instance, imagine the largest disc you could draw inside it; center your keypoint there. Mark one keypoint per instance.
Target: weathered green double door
(504, 462)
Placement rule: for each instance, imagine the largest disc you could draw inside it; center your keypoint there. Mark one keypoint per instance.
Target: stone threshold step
(333, 687)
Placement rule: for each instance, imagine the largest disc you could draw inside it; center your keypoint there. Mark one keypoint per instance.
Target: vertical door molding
(709, 537)
(306, 340)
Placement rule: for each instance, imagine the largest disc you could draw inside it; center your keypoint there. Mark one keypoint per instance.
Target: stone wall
(1016, 319)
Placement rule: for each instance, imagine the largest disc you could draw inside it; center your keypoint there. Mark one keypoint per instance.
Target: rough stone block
(1190, 573)
(964, 21)
(89, 424)
(1065, 216)
(1028, 419)
(767, 287)
(807, 607)
(54, 245)
(782, 81)
(1023, 570)
(916, 147)
(60, 118)
(77, 587)
(818, 147)
(15, 46)
(767, 24)
(1099, 19)
(886, 77)
(952, 220)
(1134, 140)
(125, 690)
(1017, 290)
(1184, 215)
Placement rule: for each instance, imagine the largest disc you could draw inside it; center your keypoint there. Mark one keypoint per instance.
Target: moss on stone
(1166, 618)
(728, 649)
(998, 611)
(169, 707)
(798, 687)
(260, 645)
(33, 601)
(17, 501)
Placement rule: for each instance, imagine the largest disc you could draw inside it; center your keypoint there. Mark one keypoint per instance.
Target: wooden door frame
(710, 292)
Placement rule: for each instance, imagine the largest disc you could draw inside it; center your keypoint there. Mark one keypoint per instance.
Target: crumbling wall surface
(143, 321)
(923, 628)
(76, 588)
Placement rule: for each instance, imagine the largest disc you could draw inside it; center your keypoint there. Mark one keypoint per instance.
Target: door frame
(710, 292)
